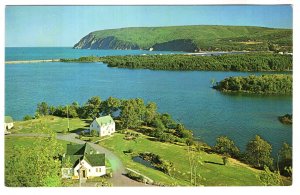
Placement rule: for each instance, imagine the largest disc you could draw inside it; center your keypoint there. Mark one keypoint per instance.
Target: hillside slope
(190, 38)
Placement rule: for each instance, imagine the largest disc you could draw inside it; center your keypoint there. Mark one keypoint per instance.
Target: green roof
(8, 119)
(75, 149)
(71, 160)
(104, 120)
(95, 159)
(77, 152)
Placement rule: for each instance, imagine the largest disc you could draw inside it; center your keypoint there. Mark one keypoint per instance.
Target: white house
(81, 160)
(8, 124)
(104, 125)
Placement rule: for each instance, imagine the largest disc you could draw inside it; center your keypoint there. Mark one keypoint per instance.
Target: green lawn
(56, 124)
(213, 172)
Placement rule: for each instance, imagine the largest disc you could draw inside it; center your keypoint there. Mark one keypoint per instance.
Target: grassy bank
(212, 170)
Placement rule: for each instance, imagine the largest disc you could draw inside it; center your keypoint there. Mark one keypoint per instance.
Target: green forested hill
(190, 38)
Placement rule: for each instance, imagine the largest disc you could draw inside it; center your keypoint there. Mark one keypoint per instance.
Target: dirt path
(117, 166)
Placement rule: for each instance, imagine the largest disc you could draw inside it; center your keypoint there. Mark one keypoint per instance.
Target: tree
(35, 166)
(285, 159)
(226, 146)
(129, 116)
(42, 109)
(258, 152)
(168, 121)
(51, 110)
(150, 113)
(195, 161)
(110, 106)
(92, 107)
(269, 178)
(132, 113)
(73, 110)
(182, 132)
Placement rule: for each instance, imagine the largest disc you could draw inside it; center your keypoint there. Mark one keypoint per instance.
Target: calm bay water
(186, 95)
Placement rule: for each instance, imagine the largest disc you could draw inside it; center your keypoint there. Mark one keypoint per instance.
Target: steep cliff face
(110, 42)
(177, 45)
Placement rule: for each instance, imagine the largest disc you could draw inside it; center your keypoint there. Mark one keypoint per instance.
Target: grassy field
(53, 123)
(213, 171)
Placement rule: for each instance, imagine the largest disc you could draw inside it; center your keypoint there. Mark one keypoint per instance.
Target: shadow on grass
(152, 139)
(88, 121)
(78, 130)
(210, 162)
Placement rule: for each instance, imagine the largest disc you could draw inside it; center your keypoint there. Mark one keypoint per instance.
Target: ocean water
(186, 95)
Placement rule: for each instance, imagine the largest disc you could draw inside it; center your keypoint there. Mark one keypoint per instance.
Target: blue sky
(42, 26)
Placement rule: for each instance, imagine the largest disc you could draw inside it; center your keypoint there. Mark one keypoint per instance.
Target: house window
(89, 170)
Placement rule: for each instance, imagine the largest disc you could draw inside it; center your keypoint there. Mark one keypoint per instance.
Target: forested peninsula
(190, 38)
(264, 84)
(226, 62)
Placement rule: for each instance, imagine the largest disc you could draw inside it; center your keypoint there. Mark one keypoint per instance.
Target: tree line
(132, 113)
(264, 84)
(257, 154)
(226, 62)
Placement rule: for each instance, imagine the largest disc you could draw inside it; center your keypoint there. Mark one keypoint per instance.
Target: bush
(189, 141)
(27, 117)
(94, 133)
(135, 177)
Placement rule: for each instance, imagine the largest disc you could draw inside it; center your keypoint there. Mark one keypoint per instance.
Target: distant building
(151, 49)
(8, 123)
(81, 160)
(104, 125)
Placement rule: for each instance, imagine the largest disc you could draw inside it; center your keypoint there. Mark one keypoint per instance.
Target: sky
(58, 26)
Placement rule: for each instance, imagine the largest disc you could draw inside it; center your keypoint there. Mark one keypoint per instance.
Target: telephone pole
(68, 118)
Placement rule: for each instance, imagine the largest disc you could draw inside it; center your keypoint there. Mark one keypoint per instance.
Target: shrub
(189, 141)
(27, 117)
(94, 133)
